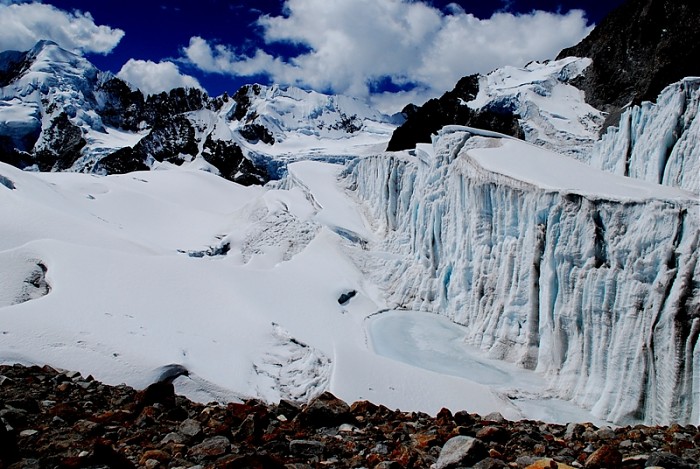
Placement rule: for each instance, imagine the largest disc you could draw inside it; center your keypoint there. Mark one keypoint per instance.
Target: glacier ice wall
(658, 142)
(600, 295)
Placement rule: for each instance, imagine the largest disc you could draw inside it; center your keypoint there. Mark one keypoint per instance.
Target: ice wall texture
(658, 142)
(599, 292)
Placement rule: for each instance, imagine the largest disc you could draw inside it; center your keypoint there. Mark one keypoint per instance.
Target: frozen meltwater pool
(435, 343)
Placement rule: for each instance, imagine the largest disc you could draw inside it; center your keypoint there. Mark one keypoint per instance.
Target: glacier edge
(596, 292)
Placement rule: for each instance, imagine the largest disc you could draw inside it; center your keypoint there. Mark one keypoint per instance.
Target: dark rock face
(62, 419)
(242, 97)
(229, 160)
(163, 106)
(166, 142)
(12, 64)
(637, 50)
(60, 145)
(257, 133)
(121, 106)
(422, 122)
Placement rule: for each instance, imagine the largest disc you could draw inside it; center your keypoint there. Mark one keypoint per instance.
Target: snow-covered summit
(41, 84)
(60, 113)
(283, 109)
(287, 123)
(536, 102)
(552, 112)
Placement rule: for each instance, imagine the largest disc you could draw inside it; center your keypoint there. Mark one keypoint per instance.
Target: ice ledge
(536, 166)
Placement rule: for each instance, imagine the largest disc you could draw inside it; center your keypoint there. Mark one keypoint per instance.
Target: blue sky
(389, 52)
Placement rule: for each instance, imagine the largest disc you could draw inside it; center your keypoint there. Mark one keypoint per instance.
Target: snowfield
(129, 285)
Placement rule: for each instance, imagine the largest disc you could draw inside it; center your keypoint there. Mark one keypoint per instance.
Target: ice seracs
(657, 142)
(587, 277)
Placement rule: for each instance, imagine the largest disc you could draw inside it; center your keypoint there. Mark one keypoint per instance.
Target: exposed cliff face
(657, 142)
(638, 50)
(592, 280)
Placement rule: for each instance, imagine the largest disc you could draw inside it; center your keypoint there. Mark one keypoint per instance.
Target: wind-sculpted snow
(581, 275)
(658, 142)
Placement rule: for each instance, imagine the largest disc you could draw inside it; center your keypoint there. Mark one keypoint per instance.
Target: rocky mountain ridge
(637, 50)
(56, 103)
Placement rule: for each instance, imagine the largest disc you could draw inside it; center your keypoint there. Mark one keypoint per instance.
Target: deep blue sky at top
(157, 30)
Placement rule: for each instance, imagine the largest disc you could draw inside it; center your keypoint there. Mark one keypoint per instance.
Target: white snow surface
(133, 283)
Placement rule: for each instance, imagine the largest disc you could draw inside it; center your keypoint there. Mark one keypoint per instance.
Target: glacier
(658, 142)
(589, 278)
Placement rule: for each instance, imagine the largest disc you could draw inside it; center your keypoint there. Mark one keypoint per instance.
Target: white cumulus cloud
(151, 77)
(351, 44)
(22, 25)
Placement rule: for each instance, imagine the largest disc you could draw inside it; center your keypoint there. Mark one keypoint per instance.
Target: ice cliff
(590, 278)
(658, 142)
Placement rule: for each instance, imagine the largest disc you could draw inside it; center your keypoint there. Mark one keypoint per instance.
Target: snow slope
(589, 278)
(119, 276)
(552, 112)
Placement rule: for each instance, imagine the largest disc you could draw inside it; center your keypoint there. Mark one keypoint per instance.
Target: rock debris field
(58, 419)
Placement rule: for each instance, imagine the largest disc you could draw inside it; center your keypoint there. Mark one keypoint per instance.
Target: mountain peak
(43, 44)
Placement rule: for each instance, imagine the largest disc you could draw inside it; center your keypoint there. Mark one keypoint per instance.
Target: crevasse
(598, 292)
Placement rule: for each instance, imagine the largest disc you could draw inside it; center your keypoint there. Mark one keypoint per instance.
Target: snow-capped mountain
(536, 102)
(282, 110)
(636, 51)
(281, 124)
(43, 96)
(59, 113)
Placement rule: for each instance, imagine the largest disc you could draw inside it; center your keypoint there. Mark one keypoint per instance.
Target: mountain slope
(637, 50)
(535, 102)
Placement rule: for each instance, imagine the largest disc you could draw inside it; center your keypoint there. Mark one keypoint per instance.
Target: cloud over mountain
(151, 77)
(22, 25)
(348, 46)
